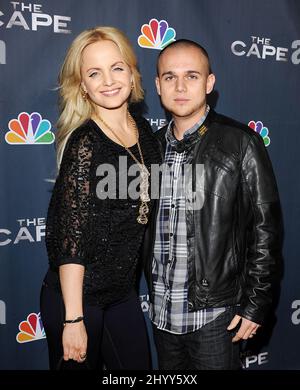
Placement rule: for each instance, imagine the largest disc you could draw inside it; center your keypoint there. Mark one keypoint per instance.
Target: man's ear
(157, 83)
(210, 82)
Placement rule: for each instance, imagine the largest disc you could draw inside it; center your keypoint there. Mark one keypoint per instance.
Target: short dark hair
(185, 43)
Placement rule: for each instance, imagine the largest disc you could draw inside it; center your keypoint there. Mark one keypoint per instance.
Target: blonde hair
(74, 110)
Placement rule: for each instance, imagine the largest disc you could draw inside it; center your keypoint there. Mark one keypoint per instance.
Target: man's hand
(247, 329)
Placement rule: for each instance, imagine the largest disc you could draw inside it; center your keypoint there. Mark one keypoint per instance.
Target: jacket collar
(188, 141)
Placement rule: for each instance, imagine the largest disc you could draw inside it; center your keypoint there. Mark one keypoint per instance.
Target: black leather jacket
(235, 238)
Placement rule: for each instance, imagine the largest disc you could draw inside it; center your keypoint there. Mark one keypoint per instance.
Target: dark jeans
(117, 336)
(209, 348)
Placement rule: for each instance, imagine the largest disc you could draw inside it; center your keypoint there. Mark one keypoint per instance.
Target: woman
(95, 222)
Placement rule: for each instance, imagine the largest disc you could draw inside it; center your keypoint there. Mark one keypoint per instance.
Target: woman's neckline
(109, 139)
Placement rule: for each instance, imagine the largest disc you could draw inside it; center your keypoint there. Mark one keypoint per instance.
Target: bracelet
(78, 319)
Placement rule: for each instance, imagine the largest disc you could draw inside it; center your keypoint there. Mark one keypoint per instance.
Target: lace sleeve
(68, 213)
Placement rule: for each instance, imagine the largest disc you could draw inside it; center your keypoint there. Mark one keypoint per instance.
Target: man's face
(184, 81)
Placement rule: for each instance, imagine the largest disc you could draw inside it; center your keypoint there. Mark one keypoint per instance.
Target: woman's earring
(83, 94)
(132, 85)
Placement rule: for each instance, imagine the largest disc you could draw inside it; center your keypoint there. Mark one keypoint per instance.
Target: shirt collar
(169, 133)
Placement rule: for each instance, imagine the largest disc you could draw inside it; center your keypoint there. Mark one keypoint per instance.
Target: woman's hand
(74, 337)
(74, 341)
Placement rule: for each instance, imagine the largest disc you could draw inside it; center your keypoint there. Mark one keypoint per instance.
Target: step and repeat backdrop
(255, 53)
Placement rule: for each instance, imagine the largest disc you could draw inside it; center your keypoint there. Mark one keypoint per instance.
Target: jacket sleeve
(265, 232)
(68, 214)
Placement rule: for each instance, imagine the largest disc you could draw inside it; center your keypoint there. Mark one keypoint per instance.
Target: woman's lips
(111, 92)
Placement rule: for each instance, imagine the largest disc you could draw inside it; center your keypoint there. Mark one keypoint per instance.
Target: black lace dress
(101, 234)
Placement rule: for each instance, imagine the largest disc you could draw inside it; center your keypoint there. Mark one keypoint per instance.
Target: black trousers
(209, 348)
(117, 336)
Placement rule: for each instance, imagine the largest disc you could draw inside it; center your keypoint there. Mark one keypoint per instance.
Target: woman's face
(105, 76)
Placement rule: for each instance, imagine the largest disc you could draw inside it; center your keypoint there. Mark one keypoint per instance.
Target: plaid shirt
(169, 310)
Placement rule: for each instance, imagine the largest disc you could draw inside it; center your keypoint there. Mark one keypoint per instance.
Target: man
(211, 262)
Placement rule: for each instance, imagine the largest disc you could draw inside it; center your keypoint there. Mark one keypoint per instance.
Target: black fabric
(117, 335)
(208, 348)
(102, 235)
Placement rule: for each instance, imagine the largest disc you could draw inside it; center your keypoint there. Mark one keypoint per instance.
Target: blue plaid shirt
(169, 310)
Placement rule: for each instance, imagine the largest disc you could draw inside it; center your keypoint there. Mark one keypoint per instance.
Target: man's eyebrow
(193, 71)
(167, 73)
(187, 72)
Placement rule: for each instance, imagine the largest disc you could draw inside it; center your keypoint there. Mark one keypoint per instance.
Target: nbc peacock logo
(31, 330)
(156, 35)
(29, 129)
(262, 130)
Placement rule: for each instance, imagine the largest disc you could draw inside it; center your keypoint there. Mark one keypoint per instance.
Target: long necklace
(144, 173)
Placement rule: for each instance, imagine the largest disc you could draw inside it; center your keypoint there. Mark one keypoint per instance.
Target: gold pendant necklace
(144, 173)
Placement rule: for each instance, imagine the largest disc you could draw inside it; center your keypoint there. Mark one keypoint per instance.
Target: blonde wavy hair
(74, 110)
